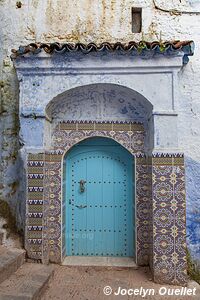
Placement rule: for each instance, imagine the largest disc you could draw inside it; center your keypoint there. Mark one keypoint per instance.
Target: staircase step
(10, 261)
(28, 283)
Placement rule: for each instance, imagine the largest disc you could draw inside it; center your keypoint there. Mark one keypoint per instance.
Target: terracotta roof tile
(139, 48)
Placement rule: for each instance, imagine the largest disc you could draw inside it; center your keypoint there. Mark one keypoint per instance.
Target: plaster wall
(97, 21)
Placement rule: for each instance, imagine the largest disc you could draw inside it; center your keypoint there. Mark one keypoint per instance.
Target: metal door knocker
(82, 185)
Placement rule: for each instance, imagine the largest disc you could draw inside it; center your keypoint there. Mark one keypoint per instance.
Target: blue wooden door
(100, 204)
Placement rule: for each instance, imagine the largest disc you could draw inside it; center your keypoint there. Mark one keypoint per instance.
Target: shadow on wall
(101, 102)
(193, 208)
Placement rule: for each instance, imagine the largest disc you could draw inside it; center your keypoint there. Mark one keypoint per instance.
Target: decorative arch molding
(130, 135)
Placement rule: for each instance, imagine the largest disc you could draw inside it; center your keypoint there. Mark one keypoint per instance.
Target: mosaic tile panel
(132, 139)
(53, 203)
(143, 200)
(151, 249)
(105, 126)
(169, 221)
(46, 194)
(34, 205)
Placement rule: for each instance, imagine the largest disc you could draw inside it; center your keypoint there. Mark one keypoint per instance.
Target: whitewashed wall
(97, 21)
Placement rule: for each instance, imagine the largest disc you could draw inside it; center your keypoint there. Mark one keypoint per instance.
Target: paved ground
(28, 282)
(87, 283)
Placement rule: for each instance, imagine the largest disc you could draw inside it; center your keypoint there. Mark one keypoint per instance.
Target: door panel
(100, 218)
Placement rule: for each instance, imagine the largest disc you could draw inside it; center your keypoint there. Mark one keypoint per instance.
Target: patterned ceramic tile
(143, 200)
(34, 205)
(169, 247)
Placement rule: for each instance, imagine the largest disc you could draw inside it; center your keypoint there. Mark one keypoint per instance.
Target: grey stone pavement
(87, 283)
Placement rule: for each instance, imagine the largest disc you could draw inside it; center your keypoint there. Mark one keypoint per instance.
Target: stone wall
(97, 21)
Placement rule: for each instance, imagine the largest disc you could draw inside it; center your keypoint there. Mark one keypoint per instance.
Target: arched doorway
(100, 199)
(99, 110)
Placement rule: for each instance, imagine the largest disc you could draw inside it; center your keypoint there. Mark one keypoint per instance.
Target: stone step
(10, 261)
(28, 283)
(97, 261)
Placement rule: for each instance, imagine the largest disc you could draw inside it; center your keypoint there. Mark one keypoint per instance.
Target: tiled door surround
(160, 186)
(45, 176)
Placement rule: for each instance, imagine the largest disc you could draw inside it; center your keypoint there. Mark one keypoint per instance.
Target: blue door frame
(100, 199)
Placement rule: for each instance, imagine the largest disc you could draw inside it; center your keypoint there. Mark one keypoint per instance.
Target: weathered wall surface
(97, 21)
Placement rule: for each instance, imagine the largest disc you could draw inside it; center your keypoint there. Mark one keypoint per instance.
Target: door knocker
(82, 185)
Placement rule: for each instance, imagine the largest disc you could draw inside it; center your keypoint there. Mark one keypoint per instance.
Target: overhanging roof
(135, 48)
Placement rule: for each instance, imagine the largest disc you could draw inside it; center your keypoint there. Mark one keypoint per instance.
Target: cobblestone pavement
(87, 283)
